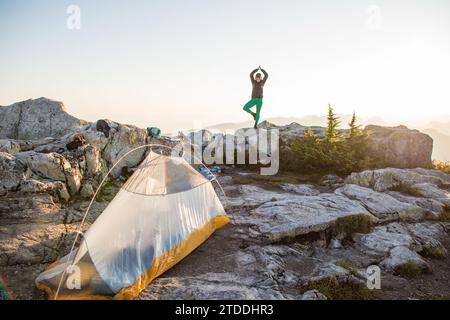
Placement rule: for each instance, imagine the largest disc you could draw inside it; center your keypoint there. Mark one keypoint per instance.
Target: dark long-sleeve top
(257, 91)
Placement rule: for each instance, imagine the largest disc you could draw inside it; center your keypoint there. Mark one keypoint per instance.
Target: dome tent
(162, 213)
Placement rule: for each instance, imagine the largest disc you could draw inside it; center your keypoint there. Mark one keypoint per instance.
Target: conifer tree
(355, 130)
(334, 152)
(332, 133)
(357, 143)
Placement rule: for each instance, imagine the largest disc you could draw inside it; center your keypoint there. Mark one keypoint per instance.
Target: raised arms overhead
(266, 75)
(252, 74)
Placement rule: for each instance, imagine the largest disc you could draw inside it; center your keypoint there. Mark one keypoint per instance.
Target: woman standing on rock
(257, 93)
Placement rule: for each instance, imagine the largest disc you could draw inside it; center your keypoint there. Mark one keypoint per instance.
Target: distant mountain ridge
(309, 120)
(442, 127)
(441, 146)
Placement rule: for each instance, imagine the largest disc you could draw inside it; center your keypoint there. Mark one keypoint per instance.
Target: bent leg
(249, 104)
(259, 103)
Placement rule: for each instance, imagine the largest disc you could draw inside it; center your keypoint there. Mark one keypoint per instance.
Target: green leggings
(254, 102)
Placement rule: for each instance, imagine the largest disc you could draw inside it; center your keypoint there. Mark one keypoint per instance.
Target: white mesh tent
(161, 214)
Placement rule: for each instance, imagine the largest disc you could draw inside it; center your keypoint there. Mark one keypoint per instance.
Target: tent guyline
(162, 213)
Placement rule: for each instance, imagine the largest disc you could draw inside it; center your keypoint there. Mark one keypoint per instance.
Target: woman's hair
(258, 75)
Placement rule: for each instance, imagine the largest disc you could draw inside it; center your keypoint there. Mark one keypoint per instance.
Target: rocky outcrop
(313, 295)
(297, 131)
(399, 245)
(401, 256)
(296, 210)
(383, 206)
(9, 146)
(12, 172)
(35, 119)
(302, 189)
(47, 166)
(397, 179)
(301, 215)
(123, 138)
(427, 189)
(400, 146)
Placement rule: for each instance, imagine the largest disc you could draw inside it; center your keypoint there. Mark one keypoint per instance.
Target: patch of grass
(334, 290)
(410, 269)
(407, 190)
(107, 192)
(348, 264)
(434, 252)
(445, 216)
(352, 224)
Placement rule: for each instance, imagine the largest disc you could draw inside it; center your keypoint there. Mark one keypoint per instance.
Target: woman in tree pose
(257, 93)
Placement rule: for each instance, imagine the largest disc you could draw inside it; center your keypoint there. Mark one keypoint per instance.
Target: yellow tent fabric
(162, 213)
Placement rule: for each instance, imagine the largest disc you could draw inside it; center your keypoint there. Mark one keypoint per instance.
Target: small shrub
(407, 190)
(441, 165)
(334, 290)
(434, 252)
(445, 216)
(348, 264)
(107, 192)
(410, 269)
(352, 224)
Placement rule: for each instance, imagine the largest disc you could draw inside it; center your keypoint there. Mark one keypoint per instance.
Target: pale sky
(184, 64)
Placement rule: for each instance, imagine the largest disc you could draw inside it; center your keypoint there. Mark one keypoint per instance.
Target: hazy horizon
(307, 120)
(186, 64)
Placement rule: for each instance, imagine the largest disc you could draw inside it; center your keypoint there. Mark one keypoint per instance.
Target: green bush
(445, 216)
(434, 252)
(336, 152)
(349, 225)
(410, 269)
(334, 290)
(108, 191)
(348, 265)
(442, 166)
